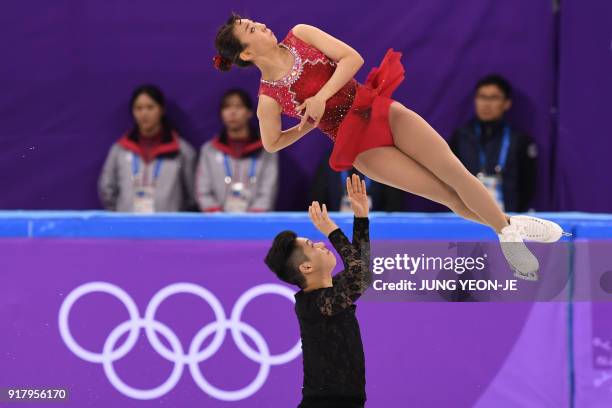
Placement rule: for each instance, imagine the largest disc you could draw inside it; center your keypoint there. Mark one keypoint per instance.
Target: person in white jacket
(234, 172)
(150, 168)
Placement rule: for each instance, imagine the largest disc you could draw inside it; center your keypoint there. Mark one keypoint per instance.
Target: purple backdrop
(70, 67)
(418, 354)
(585, 87)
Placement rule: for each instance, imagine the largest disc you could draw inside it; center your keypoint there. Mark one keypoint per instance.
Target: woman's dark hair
(245, 98)
(229, 46)
(285, 257)
(247, 102)
(497, 80)
(158, 96)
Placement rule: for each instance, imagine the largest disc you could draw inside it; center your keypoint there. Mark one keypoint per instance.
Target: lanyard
(136, 167)
(228, 169)
(344, 175)
(503, 152)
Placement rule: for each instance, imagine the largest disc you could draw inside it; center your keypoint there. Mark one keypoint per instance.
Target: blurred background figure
(502, 157)
(235, 173)
(150, 169)
(329, 187)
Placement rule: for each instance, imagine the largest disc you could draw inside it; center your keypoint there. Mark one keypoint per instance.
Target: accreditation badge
(493, 184)
(237, 199)
(144, 199)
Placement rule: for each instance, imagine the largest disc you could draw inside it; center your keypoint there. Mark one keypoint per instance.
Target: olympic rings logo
(176, 354)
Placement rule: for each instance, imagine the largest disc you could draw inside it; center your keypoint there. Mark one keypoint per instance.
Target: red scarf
(150, 148)
(238, 148)
(148, 145)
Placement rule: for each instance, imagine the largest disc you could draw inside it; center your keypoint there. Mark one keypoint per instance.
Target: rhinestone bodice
(310, 71)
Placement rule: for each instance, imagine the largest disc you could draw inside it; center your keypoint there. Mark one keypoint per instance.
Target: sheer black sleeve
(349, 284)
(361, 237)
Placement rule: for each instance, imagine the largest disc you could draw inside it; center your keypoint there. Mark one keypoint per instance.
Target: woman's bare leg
(414, 137)
(391, 166)
(388, 165)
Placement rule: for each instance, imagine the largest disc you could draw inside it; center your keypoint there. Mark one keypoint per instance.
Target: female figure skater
(309, 75)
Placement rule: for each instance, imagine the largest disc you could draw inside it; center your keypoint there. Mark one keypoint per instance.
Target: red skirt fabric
(366, 125)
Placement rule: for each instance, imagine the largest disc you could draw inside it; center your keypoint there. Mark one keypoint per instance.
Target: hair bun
(221, 63)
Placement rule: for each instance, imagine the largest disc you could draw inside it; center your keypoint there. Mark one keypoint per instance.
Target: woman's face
(256, 36)
(234, 114)
(147, 114)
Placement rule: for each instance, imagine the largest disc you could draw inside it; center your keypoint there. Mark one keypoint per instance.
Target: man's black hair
(284, 258)
(497, 80)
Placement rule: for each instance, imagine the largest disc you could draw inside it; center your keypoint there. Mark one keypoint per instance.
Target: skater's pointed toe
(537, 229)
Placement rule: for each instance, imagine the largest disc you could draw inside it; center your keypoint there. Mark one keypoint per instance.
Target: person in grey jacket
(235, 173)
(149, 169)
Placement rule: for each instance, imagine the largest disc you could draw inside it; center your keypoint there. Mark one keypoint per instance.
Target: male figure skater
(334, 368)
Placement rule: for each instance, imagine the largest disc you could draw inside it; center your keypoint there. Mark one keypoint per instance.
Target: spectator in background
(235, 173)
(502, 157)
(150, 169)
(329, 187)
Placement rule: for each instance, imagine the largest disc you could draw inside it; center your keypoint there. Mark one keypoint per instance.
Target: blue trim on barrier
(14, 227)
(100, 224)
(594, 229)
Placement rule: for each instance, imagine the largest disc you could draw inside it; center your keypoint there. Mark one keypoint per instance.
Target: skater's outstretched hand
(357, 194)
(321, 219)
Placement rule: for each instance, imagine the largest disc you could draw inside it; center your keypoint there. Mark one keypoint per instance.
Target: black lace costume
(334, 369)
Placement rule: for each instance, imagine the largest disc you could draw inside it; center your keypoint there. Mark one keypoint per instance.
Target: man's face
(320, 259)
(491, 103)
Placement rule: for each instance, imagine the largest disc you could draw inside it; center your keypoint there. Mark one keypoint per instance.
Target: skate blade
(528, 276)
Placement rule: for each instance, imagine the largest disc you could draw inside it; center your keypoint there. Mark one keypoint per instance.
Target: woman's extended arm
(272, 137)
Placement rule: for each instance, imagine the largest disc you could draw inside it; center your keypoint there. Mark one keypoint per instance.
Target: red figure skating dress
(357, 117)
